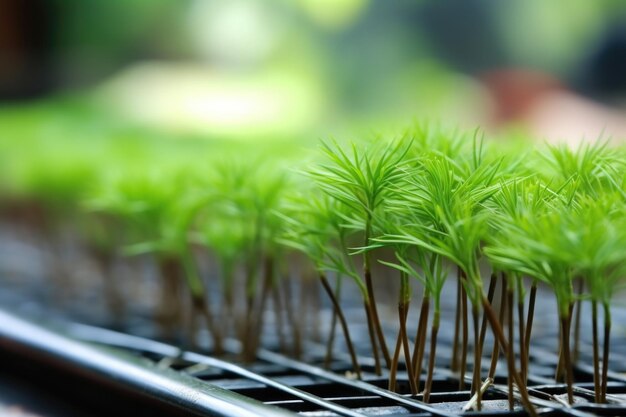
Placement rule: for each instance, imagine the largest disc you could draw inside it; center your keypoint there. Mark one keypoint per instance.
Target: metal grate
(276, 384)
(305, 388)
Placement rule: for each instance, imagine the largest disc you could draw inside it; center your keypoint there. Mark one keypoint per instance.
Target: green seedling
(238, 225)
(161, 217)
(513, 204)
(533, 246)
(431, 275)
(314, 226)
(594, 170)
(451, 197)
(595, 242)
(363, 179)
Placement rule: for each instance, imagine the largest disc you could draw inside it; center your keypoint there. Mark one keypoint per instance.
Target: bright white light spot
(234, 31)
(190, 98)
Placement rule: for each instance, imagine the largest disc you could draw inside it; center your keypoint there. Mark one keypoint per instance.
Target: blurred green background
(303, 69)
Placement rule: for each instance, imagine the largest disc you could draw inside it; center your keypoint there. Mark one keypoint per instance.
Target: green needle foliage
(595, 245)
(315, 226)
(362, 179)
(593, 168)
(532, 246)
(449, 215)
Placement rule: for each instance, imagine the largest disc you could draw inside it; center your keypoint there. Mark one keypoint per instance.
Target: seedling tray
(156, 376)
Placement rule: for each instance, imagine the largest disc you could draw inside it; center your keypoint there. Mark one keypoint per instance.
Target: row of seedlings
(228, 237)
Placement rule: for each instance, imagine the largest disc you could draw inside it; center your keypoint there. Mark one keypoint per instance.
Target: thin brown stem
(291, 317)
(278, 312)
(402, 314)
(402, 341)
(495, 354)
(499, 334)
(315, 304)
(407, 353)
(476, 383)
(256, 321)
(579, 306)
(189, 340)
(198, 291)
(375, 319)
(529, 322)
(328, 357)
(523, 356)
(333, 326)
(344, 324)
(490, 293)
(596, 352)
(431, 358)
(605, 351)
(420, 339)
(510, 353)
(454, 365)
(372, 335)
(170, 307)
(247, 333)
(218, 338)
(367, 272)
(560, 367)
(303, 305)
(228, 321)
(567, 360)
(464, 327)
(393, 370)
(559, 373)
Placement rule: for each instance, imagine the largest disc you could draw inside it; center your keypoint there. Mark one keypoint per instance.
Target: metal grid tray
(184, 382)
